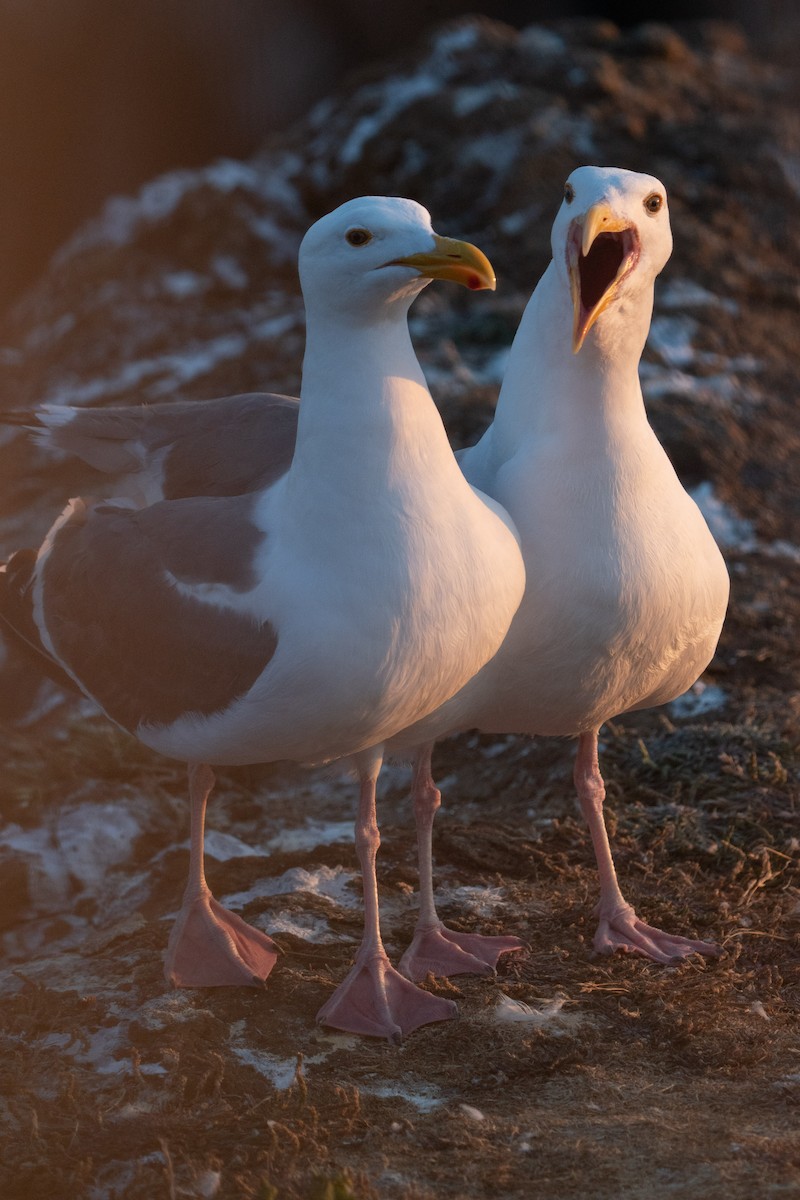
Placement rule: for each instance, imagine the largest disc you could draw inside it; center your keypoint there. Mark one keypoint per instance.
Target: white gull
(626, 589)
(310, 619)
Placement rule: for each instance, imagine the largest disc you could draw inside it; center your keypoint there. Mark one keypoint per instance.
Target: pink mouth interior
(598, 269)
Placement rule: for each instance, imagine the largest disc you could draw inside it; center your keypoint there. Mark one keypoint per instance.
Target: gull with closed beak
(361, 583)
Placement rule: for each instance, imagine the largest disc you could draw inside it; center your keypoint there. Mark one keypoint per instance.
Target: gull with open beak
(356, 585)
(626, 590)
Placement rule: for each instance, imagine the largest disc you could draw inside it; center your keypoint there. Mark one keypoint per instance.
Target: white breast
(625, 596)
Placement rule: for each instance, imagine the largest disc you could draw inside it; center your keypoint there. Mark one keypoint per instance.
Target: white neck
(366, 416)
(549, 391)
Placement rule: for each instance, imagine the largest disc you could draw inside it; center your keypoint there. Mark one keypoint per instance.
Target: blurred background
(97, 96)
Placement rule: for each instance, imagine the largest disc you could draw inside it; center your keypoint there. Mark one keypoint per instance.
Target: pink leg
(436, 948)
(209, 946)
(619, 928)
(374, 999)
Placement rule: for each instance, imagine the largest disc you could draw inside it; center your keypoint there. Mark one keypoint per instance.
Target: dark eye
(569, 193)
(358, 237)
(653, 202)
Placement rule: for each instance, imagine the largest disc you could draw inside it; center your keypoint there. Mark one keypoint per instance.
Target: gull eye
(358, 237)
(653, 202)
(569, 193)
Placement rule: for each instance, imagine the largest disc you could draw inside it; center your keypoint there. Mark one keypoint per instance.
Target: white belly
(625, 597)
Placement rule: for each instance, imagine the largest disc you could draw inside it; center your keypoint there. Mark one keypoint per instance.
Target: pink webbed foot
(376, 1000)
(622, 930)
(444, 951)
(211, 947)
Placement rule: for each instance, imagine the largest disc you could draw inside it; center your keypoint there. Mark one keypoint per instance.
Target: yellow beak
(460, 262)
(597, 219)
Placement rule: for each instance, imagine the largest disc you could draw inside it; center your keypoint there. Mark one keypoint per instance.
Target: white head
(610, 239)
(370, 257)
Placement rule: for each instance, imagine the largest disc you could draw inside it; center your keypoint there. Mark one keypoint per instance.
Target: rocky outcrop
(189, 289)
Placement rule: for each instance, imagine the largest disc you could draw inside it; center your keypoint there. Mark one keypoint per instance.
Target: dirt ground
(567, 1076)
(626, 1079)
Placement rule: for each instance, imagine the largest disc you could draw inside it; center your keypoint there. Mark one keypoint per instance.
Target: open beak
(460, 262)
(602, 249)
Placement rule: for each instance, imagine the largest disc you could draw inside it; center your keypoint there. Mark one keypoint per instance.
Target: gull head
(372, 256)
(612, 236)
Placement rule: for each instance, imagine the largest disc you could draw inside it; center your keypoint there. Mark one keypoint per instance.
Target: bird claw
(212, 947)
(622, 930)
(374, 999)
(442, 951)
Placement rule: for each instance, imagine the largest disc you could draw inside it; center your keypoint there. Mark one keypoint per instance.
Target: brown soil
(647, 1080)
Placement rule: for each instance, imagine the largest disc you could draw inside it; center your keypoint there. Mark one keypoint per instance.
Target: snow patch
(121, 217)
(198, 360)
(48, 699)
(715, 389)
(733, 532)
(454, 41)
(310, 835)
(553, 127)
(471, 97)
(183, 284)
(671, 337)
(273, 327)
(168, 372)
(281, 1072)
(498, 153)
(46, 335)
(482, 901)
(685, 293)
(541, 43)
(497, 748)
(386, 100)
(98, 1051)
(305, 926)
(329, 883)
(229, 271)
(729, 530)
(80, 846)
(425, 1099)
(225, 846)
(782, 549)
(700, 698)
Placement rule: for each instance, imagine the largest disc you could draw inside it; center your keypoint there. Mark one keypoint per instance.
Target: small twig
(169, 1168)
(776, 937)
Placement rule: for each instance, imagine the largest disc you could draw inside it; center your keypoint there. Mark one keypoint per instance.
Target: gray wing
(145, 650)
(224, 447)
